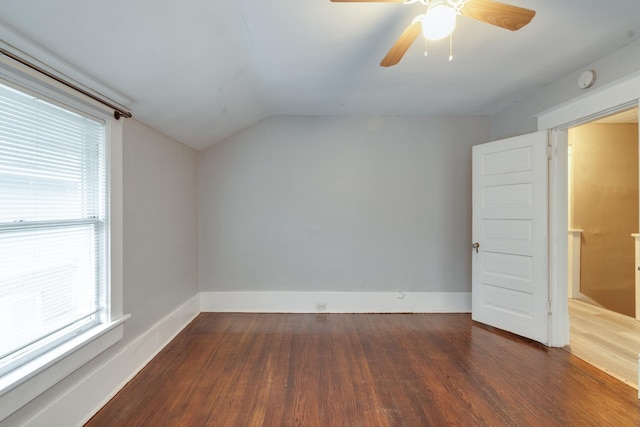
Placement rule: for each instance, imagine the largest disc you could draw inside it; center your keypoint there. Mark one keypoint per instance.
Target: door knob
(476, 246)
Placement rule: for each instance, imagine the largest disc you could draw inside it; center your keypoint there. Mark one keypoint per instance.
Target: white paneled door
(510, 235)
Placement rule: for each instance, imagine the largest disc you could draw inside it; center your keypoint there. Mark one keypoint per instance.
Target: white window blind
(53, 206)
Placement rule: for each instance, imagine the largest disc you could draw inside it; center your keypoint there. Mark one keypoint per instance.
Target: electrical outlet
(321, 306)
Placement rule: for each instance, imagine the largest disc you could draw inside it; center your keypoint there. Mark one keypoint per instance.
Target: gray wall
(339, 204)
(520, 118)
(160, 226)
(160, 243)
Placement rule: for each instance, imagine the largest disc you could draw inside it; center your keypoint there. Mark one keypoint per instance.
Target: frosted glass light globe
(439, 21)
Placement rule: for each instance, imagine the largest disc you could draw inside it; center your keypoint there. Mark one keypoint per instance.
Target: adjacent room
(603, 262)
(330, 212)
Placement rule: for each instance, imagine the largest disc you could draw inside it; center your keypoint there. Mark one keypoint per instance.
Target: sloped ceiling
(200, 70)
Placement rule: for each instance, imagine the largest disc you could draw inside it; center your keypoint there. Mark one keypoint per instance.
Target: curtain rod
(117, 111)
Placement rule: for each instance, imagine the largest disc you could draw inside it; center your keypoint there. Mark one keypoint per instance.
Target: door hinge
(549, 308)
(550, 153)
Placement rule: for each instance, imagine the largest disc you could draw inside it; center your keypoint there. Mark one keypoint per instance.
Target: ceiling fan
(440, 19)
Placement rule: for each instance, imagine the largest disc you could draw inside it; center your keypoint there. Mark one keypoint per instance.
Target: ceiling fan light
(439, 21)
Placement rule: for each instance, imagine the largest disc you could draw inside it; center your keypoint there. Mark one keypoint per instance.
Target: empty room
(319, 213)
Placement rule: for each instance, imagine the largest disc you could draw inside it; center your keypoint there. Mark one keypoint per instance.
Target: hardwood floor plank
(607, 340)
(246, 369)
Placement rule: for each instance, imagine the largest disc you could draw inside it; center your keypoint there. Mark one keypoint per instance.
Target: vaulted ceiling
(200, 70)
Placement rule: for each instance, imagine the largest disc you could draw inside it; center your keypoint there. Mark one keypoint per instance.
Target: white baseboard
(336, 302)
(79, 404)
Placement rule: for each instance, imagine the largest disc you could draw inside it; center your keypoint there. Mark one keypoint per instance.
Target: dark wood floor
(364, 370)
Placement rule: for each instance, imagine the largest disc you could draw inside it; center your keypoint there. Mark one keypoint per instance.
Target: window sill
(21, 385)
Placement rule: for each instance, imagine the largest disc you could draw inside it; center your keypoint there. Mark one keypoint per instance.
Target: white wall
(160, 271)
(160, 226)
(520, 118)
(339, 204)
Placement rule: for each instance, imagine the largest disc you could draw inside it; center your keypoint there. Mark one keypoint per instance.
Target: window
(53, 226)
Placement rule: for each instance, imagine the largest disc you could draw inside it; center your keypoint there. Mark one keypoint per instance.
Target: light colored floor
(607, 340)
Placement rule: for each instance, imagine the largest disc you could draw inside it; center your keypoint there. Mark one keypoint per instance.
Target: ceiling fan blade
(499, 14)
(401, 45)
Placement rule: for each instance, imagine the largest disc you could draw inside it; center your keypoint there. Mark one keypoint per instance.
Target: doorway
(602, 206)
(603, 211)
(614, 97)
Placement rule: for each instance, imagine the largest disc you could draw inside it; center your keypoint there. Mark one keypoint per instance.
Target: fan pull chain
(425, 48)
(450, 47)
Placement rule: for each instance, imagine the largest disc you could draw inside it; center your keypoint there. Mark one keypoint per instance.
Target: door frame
(618, 95)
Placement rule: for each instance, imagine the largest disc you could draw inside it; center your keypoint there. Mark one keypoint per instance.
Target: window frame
(23, 384)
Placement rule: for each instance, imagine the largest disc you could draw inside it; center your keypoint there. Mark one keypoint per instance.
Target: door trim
(616, 96)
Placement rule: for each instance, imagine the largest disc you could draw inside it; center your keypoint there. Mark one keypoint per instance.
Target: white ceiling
(200, 70)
